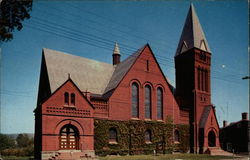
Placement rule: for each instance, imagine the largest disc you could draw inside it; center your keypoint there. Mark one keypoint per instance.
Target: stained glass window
(147, 102)
(135, 100)
(159, 104)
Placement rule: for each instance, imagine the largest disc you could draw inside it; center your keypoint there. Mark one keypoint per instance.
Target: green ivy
(131, 139)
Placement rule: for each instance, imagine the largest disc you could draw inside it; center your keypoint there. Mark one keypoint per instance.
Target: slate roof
(89, 75)
(192, 33)
(204, 116)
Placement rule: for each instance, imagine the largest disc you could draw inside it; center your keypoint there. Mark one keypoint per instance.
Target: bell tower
(192, 64)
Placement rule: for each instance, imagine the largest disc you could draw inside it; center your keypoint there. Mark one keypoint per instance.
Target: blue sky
(90, 29)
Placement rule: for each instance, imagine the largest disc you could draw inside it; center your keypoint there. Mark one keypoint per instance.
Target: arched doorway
(211, 139)
(69, 137)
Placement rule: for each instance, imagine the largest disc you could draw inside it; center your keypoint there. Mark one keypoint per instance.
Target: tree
(6, 142)
(12, 12)
(23, 140)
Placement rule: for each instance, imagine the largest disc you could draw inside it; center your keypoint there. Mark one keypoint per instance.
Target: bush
(6, 142)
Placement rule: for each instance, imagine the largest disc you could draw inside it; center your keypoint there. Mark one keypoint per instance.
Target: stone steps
(217, 151)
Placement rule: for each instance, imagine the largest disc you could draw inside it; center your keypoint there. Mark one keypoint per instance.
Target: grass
(15, 158)
(166, 157)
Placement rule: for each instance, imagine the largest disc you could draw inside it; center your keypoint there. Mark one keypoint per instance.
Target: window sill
(148, 119)
(160, 120)
(69, 107)
(176, 142)
(148, 142)
(135, 119)
(112, 142)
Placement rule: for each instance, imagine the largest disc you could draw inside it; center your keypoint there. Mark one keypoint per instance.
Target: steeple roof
(116, 49)
(192, 34)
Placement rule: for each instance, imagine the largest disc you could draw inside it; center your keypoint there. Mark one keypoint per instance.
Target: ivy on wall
(131, 137)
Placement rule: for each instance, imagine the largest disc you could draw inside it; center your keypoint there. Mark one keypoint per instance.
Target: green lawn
(166, 157)
(16, 158)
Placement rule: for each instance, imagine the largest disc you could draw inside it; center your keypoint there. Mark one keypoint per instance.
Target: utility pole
(245, 78)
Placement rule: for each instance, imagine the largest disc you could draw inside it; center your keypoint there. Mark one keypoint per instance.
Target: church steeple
(116, 54)
(192, 34)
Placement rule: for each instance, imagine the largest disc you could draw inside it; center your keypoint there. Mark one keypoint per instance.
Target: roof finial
(116, 49)
(116, 54)
(68, 75)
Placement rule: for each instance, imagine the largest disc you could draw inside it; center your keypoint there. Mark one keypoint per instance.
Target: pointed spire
(192, 34)
(116, 49)
(116, 54)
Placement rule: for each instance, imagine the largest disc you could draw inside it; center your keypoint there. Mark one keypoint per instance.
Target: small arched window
(147, 102)
(112, 135)
(159, 103)
(66, 98)
(72, 99)
(176, 136)
(148, 136)
(135, 100)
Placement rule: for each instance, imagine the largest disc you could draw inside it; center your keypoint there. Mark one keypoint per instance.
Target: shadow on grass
(166, 157)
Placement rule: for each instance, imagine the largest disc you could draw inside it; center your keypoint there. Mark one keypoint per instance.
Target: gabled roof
(80, 92)
(192, 34)
(89, 75)
(205, 115)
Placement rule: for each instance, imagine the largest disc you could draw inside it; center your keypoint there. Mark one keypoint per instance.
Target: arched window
(147, 102)
(202, 79)
(199, 78)
(135, 100)
(148, 136)
(176, 136)
(112, 135)
(159, 104)
(72, 99)
(206, 80)
(66, 98)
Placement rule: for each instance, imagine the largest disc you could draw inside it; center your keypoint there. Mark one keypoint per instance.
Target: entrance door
(69, 137)
(211, 139)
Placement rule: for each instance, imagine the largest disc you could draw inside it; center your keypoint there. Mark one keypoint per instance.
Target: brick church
(86, 107)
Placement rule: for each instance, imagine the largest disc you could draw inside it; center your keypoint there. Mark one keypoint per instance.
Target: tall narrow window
(147, 65)
(147, 102)
(198, 78)
(66, 98)
(205, 75)
(72, 99)
(112, 135)
(159, 104)
(202, 80)
(135, 100)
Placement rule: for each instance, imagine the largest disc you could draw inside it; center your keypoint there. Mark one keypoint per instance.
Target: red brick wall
(211, 125)
(120, 101)
(55, 116)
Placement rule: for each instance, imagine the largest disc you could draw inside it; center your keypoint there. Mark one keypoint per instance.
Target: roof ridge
(69, 54)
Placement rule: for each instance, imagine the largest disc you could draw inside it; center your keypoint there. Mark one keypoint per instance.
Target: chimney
(244, 116)
(116, 54)
(224, 123)
(87, 95)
